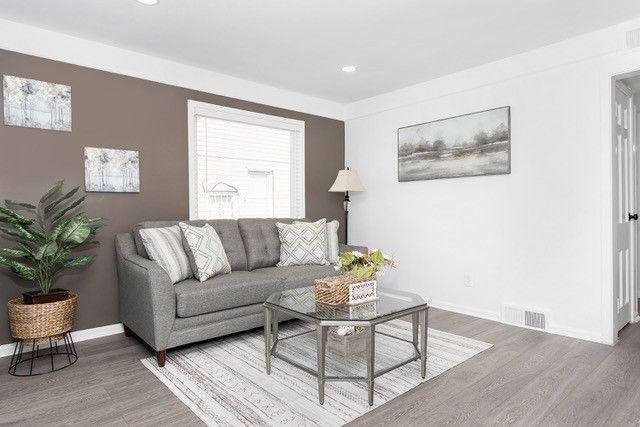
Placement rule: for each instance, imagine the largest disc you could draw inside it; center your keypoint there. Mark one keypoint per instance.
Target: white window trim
(197, 108)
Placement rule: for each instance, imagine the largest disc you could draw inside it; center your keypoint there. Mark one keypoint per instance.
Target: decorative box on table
(335, 290)
(348, 344)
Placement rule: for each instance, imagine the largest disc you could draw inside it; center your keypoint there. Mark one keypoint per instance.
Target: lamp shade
(347, 180)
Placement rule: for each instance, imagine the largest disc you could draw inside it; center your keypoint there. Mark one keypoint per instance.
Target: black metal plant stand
(42, 361)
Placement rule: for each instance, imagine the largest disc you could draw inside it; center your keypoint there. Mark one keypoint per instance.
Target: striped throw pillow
(164, 246)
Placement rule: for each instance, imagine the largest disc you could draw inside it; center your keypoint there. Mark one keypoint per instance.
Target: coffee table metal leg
(268, 316)
(424, 326)
(371, 361)
(321, 339)
(414, 322)
(274, 328)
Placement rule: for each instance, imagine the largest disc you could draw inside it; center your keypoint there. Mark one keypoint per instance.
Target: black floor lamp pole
(347, 202)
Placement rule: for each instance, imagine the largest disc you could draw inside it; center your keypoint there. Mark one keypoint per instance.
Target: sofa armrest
(349, 248)
(146, 295)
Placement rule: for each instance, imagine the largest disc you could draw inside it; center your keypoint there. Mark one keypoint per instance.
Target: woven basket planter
(334, 290)
(40, 321)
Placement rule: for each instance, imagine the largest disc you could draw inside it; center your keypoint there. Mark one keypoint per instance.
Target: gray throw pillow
(205, 251)
(164, 246)
(303, 243)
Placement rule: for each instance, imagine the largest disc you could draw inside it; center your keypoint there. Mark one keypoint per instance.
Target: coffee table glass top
(302, 300)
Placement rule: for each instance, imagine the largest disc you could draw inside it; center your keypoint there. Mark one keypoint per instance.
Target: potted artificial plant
(47, 235)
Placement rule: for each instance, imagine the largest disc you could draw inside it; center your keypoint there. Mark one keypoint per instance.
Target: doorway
(625, 96)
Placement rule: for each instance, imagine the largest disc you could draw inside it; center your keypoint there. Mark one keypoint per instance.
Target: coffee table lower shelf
(419, 342)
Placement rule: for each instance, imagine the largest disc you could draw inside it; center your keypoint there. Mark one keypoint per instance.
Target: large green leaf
(17, 217)
(11, 220)
(52, 206)
(17, 253)
(11, 204)
(47, 250)
(77, 230)
(51, 192)
(29, 234)
(79, 262)
(63, 212)
(22, 270)
(53, 235)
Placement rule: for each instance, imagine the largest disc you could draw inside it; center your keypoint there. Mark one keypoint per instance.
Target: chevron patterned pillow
(205, 251)
(333, 245)
(303, 243)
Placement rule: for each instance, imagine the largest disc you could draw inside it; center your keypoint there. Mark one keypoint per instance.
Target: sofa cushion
(227, 230)
(261, 240)
(241, 288)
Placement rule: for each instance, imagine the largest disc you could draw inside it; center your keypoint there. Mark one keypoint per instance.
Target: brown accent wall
(116, 111)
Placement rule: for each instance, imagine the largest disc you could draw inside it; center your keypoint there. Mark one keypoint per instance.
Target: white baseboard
(116, 328)
(483, 314)
(496, 316)
(81, 335)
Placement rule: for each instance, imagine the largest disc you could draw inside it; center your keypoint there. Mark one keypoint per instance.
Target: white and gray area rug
(224, 382)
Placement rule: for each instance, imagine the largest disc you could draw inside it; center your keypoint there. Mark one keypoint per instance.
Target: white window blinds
(244, 164)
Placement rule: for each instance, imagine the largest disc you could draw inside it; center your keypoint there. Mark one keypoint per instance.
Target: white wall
(539, 237)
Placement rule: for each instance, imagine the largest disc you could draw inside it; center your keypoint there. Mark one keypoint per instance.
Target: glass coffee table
(300, 304)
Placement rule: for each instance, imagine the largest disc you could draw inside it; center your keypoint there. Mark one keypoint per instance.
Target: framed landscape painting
(469, 145)
(111, 171)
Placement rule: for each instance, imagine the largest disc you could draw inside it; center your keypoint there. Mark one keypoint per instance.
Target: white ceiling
(301, 45)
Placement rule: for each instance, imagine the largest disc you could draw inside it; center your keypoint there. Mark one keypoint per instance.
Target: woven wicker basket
(38, 321)
(334, 290)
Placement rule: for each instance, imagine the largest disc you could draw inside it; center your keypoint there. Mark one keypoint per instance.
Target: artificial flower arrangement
(372, 264)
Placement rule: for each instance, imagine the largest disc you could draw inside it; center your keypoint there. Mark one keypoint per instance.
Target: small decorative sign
(363, 292)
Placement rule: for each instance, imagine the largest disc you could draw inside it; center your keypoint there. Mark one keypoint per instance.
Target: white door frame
(628, 206)
(635, 317)
(612, 68)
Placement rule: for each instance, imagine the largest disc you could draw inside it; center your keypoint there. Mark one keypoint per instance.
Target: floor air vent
(523, 317)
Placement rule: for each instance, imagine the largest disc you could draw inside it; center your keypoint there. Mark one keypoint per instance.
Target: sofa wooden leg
(127, 331)
(161, 356)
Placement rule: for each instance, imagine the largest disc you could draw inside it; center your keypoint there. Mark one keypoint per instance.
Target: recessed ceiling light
(348, 68)
(148, 2)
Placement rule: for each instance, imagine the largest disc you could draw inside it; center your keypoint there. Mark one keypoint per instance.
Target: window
(244, 164)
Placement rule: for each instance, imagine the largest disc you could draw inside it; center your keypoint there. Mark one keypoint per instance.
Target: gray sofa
(167, 315)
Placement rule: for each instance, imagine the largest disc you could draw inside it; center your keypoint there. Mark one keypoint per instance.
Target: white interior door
(624, 170)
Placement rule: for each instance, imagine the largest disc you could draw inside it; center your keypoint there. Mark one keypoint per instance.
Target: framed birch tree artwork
(36, 104)
(111, 171)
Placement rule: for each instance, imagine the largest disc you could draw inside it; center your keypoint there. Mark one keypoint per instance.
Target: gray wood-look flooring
(526, 378)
